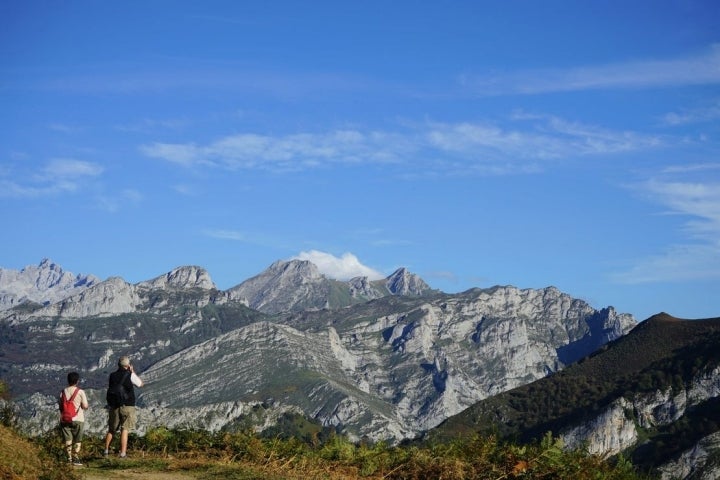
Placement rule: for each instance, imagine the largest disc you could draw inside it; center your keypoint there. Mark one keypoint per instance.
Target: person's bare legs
(108, 440)
(123, 441)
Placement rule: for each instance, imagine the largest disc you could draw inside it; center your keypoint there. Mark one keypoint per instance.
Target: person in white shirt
(121, 404)
(72, 431)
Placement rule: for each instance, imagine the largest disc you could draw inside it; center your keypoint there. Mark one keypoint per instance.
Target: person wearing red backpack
(73, 403)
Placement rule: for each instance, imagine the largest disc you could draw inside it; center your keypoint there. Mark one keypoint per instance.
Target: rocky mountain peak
(402, 282)
(181, 278)
(283, 286)
(298, 269)
(44, 283)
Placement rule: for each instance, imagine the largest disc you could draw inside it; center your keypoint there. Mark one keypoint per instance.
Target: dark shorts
(72, 432)
(123, 418)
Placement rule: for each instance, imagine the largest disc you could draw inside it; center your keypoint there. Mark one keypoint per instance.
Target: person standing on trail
(121, 404)
(73, 403)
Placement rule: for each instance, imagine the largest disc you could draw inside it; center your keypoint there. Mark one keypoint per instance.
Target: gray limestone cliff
(181, 278)
(620, 425)
(43, 284)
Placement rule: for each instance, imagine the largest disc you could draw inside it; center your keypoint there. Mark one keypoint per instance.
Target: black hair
(73, 378)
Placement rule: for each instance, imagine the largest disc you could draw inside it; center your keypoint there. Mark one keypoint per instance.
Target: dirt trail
(131, 474)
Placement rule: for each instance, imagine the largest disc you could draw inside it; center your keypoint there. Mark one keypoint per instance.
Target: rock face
(181, 278)
(44, 284)
(285, 285)
(113, 296)
(402, 282)
(701, 462)
(618, 427)
(297, 285)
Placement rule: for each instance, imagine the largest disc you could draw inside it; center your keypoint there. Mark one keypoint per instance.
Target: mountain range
(383, 360)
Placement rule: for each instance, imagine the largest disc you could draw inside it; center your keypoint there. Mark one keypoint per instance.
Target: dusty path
(131, 474)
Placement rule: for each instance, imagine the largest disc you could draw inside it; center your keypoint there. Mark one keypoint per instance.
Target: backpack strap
(72, 397)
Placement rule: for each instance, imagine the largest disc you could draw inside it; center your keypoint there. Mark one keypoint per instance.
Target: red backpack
(67, 407)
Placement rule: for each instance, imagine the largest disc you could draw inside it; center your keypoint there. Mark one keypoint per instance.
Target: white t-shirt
(79, 401)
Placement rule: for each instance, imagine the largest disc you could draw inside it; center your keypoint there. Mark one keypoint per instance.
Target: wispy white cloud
(175, 76)
(698, 200)
(226, 235)
(548, 137)
(283, 153)
(70, 168)
(390, 242)
(700, 69)
(699, 257)
(694, 167)
(183, 189)
(344, 267)
(65, 128)
(148, 125)
(430, 148)
(679, 263)
(696, 115)
(13, 189)
(62, 175)
(124, 198)
(251, 238)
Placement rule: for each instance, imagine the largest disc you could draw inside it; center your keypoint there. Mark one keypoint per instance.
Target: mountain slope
(385, 369)
(659, 382)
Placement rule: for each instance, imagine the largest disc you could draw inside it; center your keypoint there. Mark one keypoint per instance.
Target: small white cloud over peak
(341, 268)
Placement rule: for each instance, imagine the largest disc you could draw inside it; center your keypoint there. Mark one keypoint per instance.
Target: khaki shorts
(72, 432)
(123, 418)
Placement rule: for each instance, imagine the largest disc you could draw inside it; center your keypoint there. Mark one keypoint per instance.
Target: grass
(22, 458)
(245, 455)
(196, 454)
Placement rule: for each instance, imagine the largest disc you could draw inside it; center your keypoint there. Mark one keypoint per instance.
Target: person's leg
(77, 440)
(129, 419)
(123, 442)
(68, 449)
(113, 425)
(67, 440)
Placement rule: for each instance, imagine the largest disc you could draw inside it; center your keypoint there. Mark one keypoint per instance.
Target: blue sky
(476, 143)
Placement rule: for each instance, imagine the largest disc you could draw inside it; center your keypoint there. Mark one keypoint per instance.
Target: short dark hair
(73, 378)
